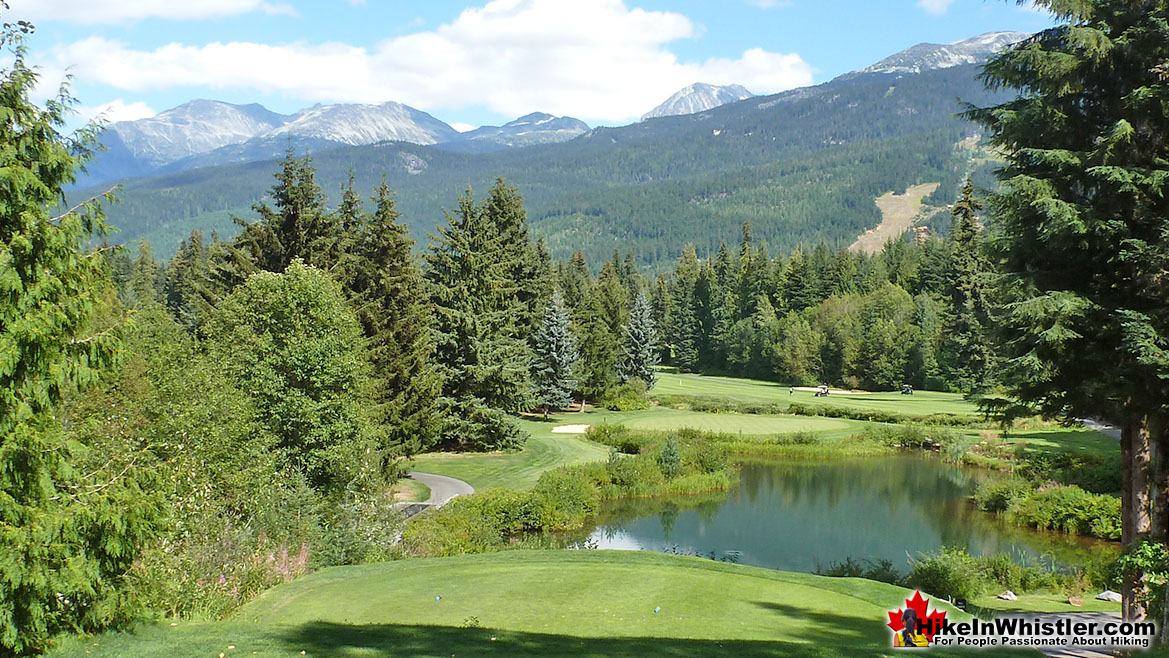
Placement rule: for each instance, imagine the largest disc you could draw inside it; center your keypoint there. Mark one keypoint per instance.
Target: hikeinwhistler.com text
(1042, 631)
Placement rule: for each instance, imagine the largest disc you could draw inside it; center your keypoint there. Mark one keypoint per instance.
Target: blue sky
(472, 63)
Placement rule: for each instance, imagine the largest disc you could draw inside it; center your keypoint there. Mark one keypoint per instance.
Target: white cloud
(118, 110)
(770, 4)
(935, 7)
(117, 11)
(594, 59)
(462, 127)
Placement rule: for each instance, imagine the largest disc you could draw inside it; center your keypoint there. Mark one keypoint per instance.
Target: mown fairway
(921, 403)
(546, 449)
(519, 470)
(538, 603)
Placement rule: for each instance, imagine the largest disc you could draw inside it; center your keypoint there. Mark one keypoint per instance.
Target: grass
(537, 603)
(1044, 603)
(921, 403)
(409, 491)
(519, 470)
(546, 450)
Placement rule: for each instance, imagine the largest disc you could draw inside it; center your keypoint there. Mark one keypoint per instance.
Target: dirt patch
(571, 429)
(899, 212)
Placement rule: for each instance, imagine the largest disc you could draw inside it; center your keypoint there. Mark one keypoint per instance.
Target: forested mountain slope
(802, 166)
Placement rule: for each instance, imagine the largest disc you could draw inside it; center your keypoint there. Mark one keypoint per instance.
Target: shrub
(1068, 509)
(670, 459)
(629, 396)
(950, 573)
(617, 436)
(469, 424)
(706, 457)
(996, 495)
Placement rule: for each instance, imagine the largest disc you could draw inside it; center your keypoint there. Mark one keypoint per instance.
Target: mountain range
(698, 97)
(803, 166)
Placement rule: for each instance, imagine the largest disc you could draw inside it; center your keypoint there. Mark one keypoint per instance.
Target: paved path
(442, 488)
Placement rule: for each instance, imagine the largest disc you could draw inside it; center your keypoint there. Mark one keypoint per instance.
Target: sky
(606, 62)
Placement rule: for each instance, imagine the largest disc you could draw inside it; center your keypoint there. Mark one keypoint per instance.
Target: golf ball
(657, 609)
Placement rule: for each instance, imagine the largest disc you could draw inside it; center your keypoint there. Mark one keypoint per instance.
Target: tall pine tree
(639, 344)
(1082, 235)
(554, 346)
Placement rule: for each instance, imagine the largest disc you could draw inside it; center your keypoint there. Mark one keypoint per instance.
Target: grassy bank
(538, 603)
(921, 403)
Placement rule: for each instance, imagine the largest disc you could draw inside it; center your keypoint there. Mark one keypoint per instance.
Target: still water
(801, 515)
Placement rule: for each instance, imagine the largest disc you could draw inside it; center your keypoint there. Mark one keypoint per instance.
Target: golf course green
(537, 603)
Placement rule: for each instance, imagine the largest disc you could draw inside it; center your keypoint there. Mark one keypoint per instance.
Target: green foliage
(291, 343)
(670, 458)
(1149, 560)
(70, 525)
(629, 396)
(639, 345)
(481, 293)
(951, 573)
(386, 290)
(469, 424)
(1067, 509)
(996, 495)
(554, 348)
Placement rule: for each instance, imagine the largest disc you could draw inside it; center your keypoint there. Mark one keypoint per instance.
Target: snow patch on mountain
(698, 97)
(355, 125)
(932, 56)
(534, 128)
(192, 128)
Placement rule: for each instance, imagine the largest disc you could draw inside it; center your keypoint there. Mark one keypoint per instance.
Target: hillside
(541, 603)
(802, 166)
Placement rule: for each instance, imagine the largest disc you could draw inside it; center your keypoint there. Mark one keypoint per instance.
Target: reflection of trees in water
(923, 497)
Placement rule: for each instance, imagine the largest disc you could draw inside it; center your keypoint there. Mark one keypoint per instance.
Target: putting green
(539, 603)
(921, 403)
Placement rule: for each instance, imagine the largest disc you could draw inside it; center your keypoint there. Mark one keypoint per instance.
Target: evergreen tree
(1081, 226)
(68, 533)
(555, 358)
(188, 295)
(968, 357)
(146, 279)
(298, 226)
(481, 309)
(387, 291)
(519, 260)
(639, 344)
(599, 348)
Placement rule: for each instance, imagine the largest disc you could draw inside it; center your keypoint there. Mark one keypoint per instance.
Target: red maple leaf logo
(931, 621)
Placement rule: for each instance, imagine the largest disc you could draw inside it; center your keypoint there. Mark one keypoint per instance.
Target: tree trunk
(1136, 504)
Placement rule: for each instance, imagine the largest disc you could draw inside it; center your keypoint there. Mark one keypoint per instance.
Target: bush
(619, 437)
(629, 396)
(996, 495)
(670, 459)
(469, 424)
(1068, 509)
(950, 573)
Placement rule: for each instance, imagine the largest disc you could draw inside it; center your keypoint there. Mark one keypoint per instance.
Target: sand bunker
(571, 429)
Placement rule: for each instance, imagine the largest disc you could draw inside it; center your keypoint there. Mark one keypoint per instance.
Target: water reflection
(797, 515)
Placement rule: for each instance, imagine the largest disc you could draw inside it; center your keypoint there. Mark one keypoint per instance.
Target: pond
(804, 515)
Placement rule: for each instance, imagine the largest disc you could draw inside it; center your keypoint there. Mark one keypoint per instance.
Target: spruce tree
(481, 313)
(968, 357)
(146, 279)
(599, 348)
(639, 345)
(298, 226)
(1082, 235)
(555, 359)
(387, 291)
